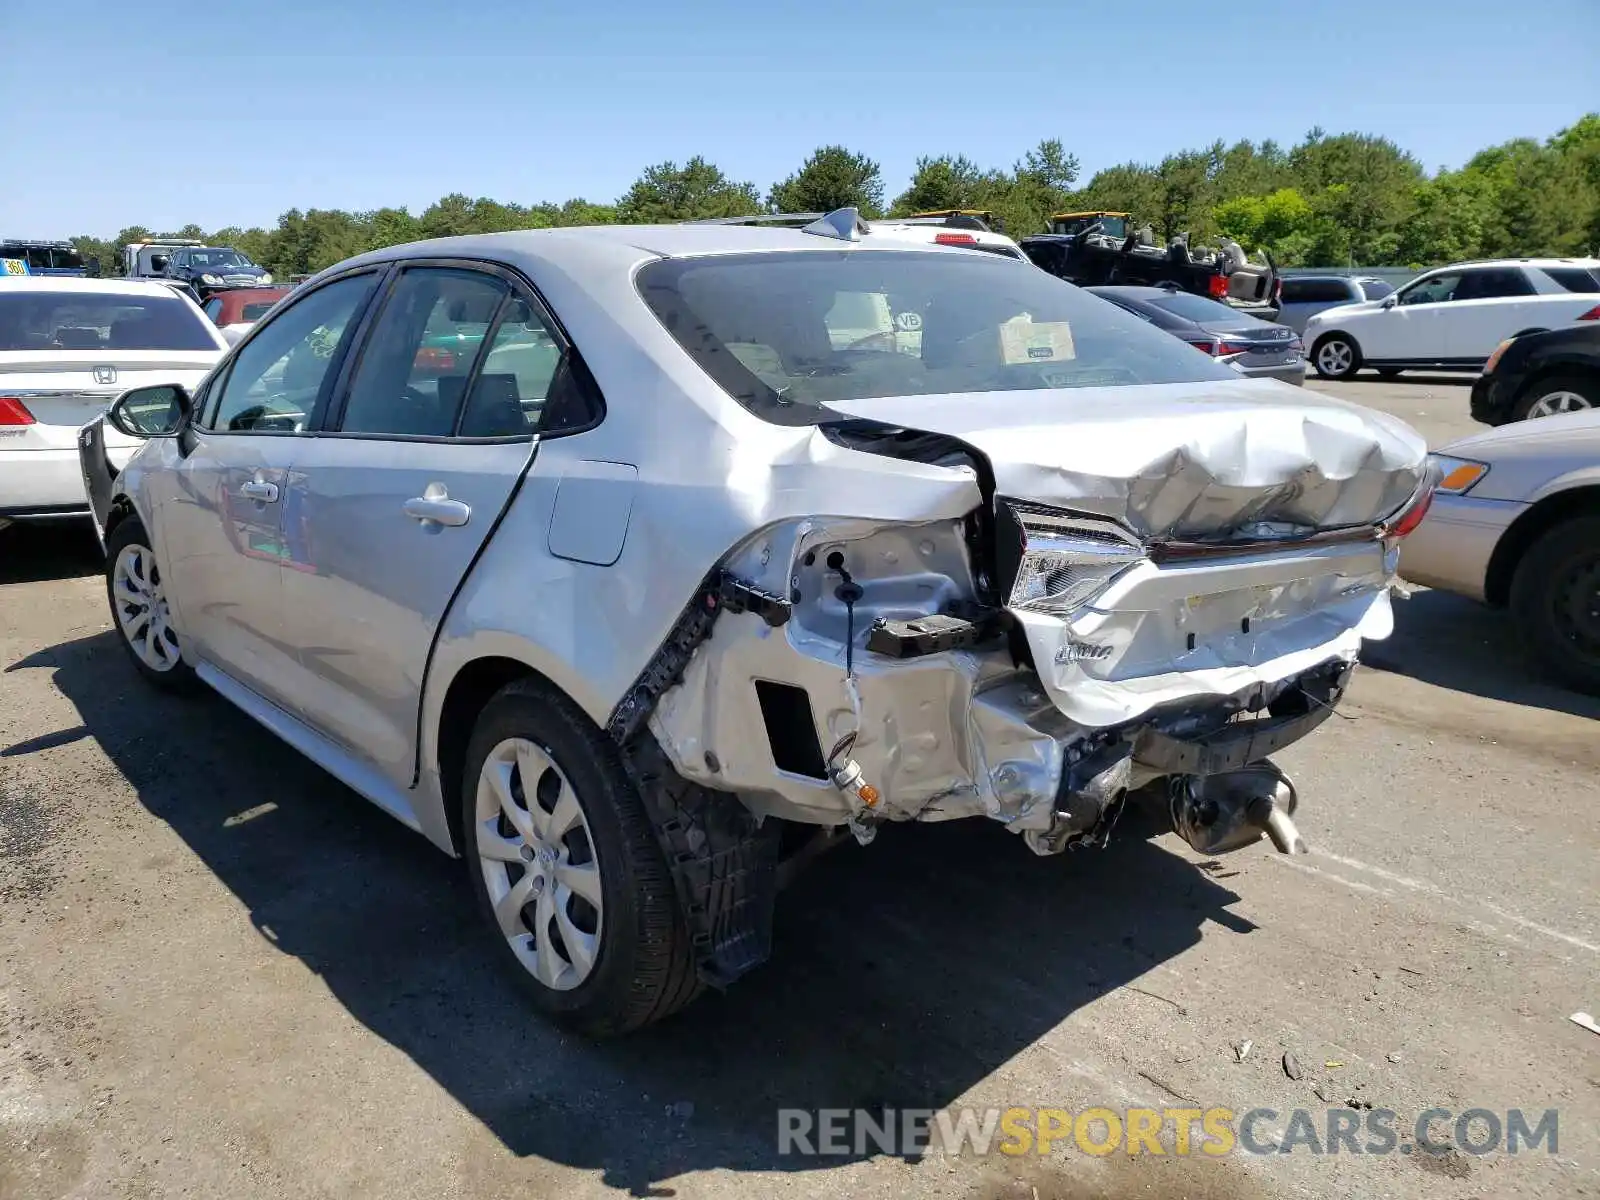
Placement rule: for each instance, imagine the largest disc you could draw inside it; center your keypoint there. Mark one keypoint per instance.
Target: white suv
(1452, 318)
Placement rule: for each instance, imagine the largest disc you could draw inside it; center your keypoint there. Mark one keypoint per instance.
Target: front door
(1417, 328)
(222, 511)
(389, 506)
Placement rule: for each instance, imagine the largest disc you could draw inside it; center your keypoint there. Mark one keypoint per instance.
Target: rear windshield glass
(786, 332)
(1375, 289)
(254, 312)
(87, 321)
(1193, 308)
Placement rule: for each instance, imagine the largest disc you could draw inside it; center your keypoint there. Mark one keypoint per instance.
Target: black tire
(643, 968)
(1586, 387)
(1352, 362)
(129, 535)
(1555, 598)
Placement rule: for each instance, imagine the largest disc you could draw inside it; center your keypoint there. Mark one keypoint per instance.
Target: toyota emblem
(105, 375)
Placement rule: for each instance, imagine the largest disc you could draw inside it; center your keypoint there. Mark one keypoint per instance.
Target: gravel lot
(224, 975)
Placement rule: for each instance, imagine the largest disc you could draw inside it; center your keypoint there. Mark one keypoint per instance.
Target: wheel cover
(140, 605)
(1334, 357)
(1552, 403)
(1577, 607)
(543, 876)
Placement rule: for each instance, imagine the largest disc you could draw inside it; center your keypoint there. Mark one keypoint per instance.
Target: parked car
(1451, 319)
(1094, 249)
(236, 310)
(1516, 524)
(1304, 296)
(1253, 347)
(1540, 375)
(210, 269)
(68, 347)
(722, 581)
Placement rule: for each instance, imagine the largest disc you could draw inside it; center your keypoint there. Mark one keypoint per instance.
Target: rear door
(1492, 304)
(389, 505)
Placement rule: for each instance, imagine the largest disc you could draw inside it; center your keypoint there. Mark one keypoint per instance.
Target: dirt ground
(224, 975)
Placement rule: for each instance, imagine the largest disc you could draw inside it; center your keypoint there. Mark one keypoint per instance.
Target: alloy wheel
(1335, 357)
(543, 877)
(141, 608)
(1553, 403)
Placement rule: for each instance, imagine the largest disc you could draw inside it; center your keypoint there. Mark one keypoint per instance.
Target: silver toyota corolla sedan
(631, 564)
(1516, 523)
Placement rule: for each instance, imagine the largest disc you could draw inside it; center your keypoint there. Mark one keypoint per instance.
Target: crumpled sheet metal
(1184, 461)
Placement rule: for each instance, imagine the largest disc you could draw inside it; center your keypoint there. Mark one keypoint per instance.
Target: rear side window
(1494, 284)
(1317, 291)
(1375, 289)
(787, 333)
(1574, 279)
(100, 321)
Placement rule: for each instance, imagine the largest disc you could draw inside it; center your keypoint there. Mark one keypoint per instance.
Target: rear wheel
(1336, 356)
(1555, 597)
(567, 869)
(1558, 394)
(138, 598)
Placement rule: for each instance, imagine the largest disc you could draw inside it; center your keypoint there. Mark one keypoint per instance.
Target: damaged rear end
(1161, 575)
(1156, 599)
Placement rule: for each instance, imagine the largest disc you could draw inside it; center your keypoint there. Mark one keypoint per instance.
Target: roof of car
(670, 241)
(1588, 263)
(69, 283)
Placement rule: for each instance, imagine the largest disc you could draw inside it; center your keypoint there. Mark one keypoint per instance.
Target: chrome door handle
(435, 505)
(258, 489)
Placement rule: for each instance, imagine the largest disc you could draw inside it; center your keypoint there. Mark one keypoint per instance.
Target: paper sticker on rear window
(1026, 341)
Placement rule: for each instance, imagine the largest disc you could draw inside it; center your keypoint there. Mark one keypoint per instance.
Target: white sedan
(68, 347)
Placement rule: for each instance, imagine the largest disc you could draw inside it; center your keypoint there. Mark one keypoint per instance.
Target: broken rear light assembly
(1405, 522)
(14, 412)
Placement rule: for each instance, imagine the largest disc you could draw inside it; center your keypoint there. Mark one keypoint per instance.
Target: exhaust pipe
(1217, 814)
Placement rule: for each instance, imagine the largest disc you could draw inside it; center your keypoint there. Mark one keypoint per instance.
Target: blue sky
(161, 113)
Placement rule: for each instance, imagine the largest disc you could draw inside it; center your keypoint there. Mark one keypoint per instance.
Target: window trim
(519, 287)
(357, 326)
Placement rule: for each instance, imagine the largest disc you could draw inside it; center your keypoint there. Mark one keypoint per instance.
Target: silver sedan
(1516, 524)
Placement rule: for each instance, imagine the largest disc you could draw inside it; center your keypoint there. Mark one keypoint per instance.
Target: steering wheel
(873, 341)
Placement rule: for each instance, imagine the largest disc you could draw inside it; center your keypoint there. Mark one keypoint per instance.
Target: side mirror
(151, 412)
(1391, 300)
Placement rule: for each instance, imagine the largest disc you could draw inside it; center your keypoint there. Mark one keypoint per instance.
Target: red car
(237, 309)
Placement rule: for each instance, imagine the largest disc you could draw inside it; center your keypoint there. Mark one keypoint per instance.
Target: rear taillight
(954, 239)
(1406, 521)
(433, 358)
(1205, 347)
(1277, 290)
(1225, 348)
(14, 412)
(1217, 286)
(1592, 315)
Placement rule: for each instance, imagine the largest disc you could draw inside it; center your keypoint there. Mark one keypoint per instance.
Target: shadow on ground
(1456, 643)
(34, 551)
(904, 973)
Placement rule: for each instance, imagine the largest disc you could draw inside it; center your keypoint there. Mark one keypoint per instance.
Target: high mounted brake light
(14, 412)
(954, 239)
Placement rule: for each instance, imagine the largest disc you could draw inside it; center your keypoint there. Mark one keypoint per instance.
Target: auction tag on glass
(1026, 341)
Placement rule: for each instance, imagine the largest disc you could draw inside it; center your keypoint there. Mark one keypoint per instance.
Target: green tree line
(1330, 200)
